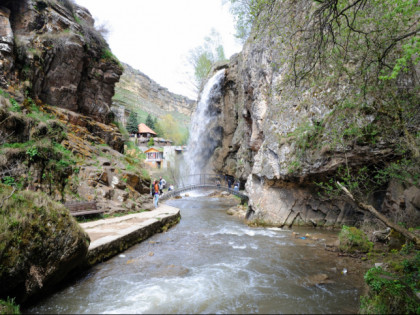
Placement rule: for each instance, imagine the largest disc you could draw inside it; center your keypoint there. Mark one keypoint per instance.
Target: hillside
(136, 91)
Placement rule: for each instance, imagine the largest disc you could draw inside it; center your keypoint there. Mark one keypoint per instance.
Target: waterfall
(205, 134)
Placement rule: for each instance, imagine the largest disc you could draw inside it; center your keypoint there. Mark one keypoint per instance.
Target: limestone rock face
(135, 89)
(40, 244)
(61, 57)
(267, 121)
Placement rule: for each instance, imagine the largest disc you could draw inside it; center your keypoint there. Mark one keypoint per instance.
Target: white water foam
(202, 143)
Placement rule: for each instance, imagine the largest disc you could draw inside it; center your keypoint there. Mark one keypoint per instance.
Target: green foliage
(363, 181)
(108, 55)
(123, 130)
(149, 122)
(203, 57)
(245, 13)
(132, 123)
(172, 130)
(293, 166)
(353, 240)
(9, 180)
(151, 142)
(32, 153)
(15, 105)
(393, 293)
(8, 306)
(158, 128)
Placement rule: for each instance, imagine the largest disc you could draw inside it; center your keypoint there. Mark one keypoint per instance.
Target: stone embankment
(112, 236)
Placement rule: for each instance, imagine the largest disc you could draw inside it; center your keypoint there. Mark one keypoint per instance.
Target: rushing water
(213, 263)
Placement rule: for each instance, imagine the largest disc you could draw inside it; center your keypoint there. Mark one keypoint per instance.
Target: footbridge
(204, 181)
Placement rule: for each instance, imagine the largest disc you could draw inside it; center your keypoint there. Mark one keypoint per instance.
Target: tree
(173, 130)
(203, 57)
(158, 128)
(245, 13)
(149, 122)
(132, 123)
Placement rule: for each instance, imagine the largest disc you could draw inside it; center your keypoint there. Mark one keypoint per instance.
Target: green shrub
(389, 294)
(9, 307)
(15, 105)
(353, 240)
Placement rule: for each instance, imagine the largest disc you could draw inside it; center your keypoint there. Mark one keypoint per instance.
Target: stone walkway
(112, 236)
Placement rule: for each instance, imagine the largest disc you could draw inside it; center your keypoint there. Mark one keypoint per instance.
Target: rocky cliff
(298, 114)
(136, 91)
(51, 50)
(58, 77)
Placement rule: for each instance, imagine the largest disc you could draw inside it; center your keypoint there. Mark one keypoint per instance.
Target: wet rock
(237, 211)
(316, 279)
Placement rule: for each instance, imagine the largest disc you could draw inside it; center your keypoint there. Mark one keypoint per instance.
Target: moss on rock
(353, 240)
(39, 243)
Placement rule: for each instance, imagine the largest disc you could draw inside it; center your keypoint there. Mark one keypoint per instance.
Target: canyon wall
(135, 90)
(284, 136)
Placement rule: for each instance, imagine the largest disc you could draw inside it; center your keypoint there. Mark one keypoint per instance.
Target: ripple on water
(212, 263)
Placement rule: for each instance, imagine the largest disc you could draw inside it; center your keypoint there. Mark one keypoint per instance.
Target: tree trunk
(411, 236)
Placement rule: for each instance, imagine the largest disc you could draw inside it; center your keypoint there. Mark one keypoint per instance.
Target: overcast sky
(155, 36)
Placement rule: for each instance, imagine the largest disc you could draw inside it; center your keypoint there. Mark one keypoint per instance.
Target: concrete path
(112, 236)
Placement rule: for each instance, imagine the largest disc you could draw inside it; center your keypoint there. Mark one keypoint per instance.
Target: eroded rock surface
(268, 123)
(137, 89)
(61, 57)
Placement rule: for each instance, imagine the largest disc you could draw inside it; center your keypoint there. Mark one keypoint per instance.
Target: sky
(155, 36)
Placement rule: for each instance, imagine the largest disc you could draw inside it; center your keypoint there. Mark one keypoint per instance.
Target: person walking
(229, 183)
(156, 196)
(162, 182)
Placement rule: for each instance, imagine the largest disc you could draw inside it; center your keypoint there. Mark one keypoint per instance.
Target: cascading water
(205, 135)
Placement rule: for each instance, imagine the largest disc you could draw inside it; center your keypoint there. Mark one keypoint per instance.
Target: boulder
(40, 244)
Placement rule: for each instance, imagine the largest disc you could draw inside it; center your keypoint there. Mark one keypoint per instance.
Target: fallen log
(407, 234)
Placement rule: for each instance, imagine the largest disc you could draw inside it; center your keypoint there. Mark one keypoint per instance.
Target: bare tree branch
(412, 237)
(4, 200)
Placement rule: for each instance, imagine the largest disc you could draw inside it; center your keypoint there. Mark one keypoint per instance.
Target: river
(213, 263)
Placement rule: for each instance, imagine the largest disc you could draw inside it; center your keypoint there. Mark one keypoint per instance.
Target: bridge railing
(204, 181)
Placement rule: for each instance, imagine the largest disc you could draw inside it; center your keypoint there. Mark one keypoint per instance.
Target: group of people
(156, 189)
(230, 182)
(234, 183)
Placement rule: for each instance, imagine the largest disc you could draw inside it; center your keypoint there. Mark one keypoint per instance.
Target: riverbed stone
(316, 279)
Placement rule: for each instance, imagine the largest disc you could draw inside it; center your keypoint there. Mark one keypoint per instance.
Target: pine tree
(149, 122)
(132, 123)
